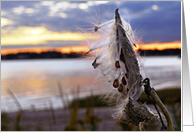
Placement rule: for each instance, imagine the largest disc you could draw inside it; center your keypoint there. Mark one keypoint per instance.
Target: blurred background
(44, 71)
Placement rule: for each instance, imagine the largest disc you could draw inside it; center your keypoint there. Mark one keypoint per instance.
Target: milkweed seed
(120, 89)
(127, 90)
(116, 83)
(126, 75)
(124, 81)
(121, 56)
(94, 64)
(117, 65)
(96, 29)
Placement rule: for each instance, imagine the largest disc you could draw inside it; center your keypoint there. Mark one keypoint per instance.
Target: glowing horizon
(84, 49)
(37, 50)
(159, 46)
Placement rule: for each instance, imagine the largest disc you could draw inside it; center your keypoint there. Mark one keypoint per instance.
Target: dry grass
(95, 112)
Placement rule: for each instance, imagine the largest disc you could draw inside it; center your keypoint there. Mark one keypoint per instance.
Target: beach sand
(57, 120)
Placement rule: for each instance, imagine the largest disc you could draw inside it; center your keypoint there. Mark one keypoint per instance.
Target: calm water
(35, 82)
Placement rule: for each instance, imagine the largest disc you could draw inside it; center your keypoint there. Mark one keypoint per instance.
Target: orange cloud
(72, 49)
(39, 35)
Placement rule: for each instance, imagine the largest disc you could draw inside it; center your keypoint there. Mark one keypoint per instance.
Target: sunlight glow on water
(35, 82)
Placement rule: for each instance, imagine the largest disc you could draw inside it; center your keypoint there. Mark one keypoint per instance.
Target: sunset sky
(54, 24)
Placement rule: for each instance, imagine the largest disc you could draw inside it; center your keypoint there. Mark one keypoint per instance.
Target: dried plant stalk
(151, 92)
(117, 61)
(15, 99)
(163, 109)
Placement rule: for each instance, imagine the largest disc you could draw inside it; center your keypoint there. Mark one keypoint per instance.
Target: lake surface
(35, 83)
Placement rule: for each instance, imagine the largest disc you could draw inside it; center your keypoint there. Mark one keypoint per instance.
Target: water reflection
(35, 82)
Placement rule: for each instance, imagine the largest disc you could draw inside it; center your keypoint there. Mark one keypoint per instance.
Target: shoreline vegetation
(88, 113)
(55, 55)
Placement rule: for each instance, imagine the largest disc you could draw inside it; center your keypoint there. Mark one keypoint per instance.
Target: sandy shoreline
(57, 120)
(31, 120)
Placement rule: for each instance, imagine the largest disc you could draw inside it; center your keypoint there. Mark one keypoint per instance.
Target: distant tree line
(43, 55)
(167, 52)
(55, 55)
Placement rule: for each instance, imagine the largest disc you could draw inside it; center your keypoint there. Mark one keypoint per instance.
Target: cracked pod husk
(117, 61)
